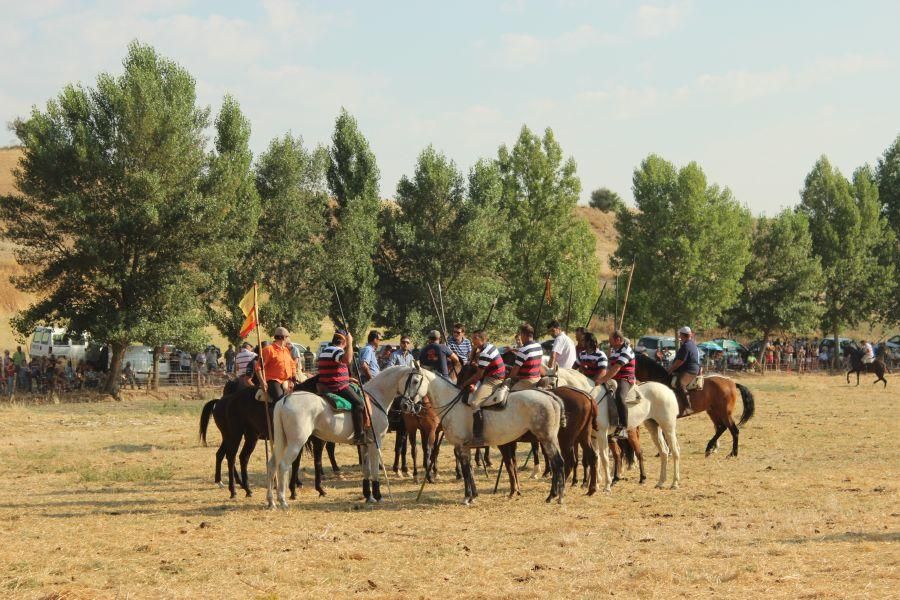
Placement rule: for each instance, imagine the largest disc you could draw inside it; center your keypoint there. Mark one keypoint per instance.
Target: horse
(426, 423)
(301, 415)
(626, 450)
(858, 366)
(527, 410)
(717, 398)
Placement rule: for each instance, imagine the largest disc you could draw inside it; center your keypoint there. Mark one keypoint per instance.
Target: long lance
(262, 379)
(438, 313)
(387, 479)
(596, 306)
(543, 299)
(569, 307)
(443, 314)
(625, 300)
(487, 319)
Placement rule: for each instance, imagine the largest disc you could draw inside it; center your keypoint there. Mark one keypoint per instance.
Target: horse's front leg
(250, 440)
(411, 442)
(318, 469)
(335, 468)
(602, 448)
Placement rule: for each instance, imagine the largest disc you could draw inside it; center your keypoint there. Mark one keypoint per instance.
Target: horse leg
(318, 469)
(635, 439)
(558, 480)
(330, 446)
(398, 449)
(590, 462)
(411, 436)
(374, 462)
(220, 456)
(508, 454)
(428, 440)
(672, 441)
(598, 441)
(487, 457)
(848, 376)
(575, 466)
(295, 476)
(857, 378)
(714, 440)
(661, 445)
(230, 454)
(536, 463)
(250, 440)
(616, 459)
(569, 463)
(735, 432)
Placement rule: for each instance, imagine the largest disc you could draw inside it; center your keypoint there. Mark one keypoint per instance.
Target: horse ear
(417, 365)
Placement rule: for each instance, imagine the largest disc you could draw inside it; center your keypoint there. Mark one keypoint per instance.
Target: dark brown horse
(427, 424)
(858, 366)
(717, 398)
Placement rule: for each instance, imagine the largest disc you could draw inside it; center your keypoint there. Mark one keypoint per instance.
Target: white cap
(685, 330)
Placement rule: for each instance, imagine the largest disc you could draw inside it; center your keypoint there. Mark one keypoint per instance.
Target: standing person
(460, 345)
(686, 368)
(128, 374)
(592, 362)
(21, 363)
(526, 371)
(435, 355)
(229, 359)
(490, 373)
(298, 360)
(579, 341)
(368, 357)
(243, 359)
(801, 358)
(9, 375)
(621, 368)
(334, 377)
(402, 357)
(279, 366)
(563, 352)
(200, 362)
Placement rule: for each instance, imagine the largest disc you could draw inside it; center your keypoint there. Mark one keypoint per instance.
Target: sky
(754, 92)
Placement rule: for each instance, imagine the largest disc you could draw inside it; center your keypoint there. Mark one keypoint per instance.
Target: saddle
(635, 396)
(498, 400)
(696, 384)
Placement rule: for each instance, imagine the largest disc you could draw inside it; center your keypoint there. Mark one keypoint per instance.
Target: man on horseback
(592, 361)
(685, 368)
(490, 372)
(526, 371)
(868, 355)
(279, 366)
(334, 377)
(622, 364)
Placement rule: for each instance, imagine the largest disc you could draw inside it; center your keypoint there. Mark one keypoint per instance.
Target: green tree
(116, 228)
(443, 235)
(540, 191)
(781, 286)
(606, 200)
(690, 242)
(353, 231)
(847, 231)
(887, 175)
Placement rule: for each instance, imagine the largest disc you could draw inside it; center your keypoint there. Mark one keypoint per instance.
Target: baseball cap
(685, 330)
(434, 334)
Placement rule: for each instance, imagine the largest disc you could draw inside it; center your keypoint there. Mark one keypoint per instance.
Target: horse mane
(655, 370)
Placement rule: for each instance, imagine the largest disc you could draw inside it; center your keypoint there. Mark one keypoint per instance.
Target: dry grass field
(115, 500)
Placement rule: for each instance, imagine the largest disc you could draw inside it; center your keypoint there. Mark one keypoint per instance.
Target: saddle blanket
(696, 384)
(634, 395)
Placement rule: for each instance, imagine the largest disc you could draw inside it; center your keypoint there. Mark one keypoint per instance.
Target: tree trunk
(117, 355)
(762, 352)
(835, 351)
(153, 383)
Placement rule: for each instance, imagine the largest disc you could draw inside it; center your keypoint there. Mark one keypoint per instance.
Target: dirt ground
(116, 500)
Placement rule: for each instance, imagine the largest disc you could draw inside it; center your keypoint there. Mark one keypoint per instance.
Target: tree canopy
(606, 200)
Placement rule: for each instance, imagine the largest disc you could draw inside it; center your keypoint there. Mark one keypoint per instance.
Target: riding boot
(622, 410)
(477, 429)
(359, 434)
(684, 401)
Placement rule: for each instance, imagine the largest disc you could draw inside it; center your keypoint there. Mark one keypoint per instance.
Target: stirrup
(359, 439)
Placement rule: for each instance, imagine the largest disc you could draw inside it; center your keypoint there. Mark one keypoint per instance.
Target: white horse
(527, 410)
(657, 410)
(304, 414)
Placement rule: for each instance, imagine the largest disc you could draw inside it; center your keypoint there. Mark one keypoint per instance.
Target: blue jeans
(10, 385)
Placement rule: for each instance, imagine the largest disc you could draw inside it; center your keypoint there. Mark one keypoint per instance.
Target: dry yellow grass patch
(105, 500)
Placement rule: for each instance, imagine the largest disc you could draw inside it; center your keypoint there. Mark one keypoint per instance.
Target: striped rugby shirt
(462, 349)
(333, 374)
(591, 363)
(528, 359)
(625, 357)
(490, 360)
(242, 360)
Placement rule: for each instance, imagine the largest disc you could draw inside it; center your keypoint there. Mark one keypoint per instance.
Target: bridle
(410, 399)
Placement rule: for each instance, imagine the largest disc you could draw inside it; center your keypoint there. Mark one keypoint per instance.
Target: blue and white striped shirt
(462, 349)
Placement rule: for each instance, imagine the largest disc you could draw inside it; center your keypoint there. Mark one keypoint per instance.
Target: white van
(45, 340)
(141, 359)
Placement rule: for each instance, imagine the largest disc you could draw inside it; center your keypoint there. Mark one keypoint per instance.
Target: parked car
(649, 344)
(828, 343)
(141, 359)
(47, 340)
(893, 343)
(732, 347)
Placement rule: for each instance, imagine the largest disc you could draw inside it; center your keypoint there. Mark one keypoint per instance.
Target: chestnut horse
(717, 398)
(426, 422)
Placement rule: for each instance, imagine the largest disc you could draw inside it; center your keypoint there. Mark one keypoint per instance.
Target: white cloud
(519, 50)
(741, 86)
(654, 20)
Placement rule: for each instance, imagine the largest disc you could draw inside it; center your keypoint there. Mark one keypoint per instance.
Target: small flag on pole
(248, 307)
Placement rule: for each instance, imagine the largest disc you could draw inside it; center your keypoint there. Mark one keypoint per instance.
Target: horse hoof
(591, 491)
(321, 493)
(370, 500)
(674, 486)
(221, 485)
(608, 489)
(284, 504)
(293, 496)
(642, 480)
(659, 486)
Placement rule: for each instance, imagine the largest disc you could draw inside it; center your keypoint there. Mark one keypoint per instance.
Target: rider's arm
(675, 364)
(609, 374)
(476, 376)
(347, 358)
(600, 375)
(553, 358)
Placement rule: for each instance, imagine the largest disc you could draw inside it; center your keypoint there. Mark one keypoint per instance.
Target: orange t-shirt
(279, 363)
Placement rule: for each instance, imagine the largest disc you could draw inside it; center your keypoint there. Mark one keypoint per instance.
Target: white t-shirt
(564, 348)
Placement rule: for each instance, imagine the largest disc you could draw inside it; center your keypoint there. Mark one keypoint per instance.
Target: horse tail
(279, 438)
(627, 450)
(594, 413)
(204, 418)
(749, 404)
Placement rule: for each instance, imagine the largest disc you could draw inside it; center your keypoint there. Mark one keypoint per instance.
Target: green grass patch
(132, 474)
(174, 408)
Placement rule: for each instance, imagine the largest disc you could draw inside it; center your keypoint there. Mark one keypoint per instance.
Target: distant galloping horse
(717, 398)
(858, 366)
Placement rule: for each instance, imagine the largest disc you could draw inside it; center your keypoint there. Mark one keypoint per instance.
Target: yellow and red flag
(248, 307)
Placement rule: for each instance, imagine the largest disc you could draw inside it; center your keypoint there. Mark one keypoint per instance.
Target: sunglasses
(278, 337)
(404, 341)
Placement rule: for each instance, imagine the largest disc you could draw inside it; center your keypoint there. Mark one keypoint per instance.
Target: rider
(490, 371)
(685, 368)
(527, 370)
(592, 362)
(334, 377)
(622, 364)
(435, 355)
(278, 364)
(868, 356)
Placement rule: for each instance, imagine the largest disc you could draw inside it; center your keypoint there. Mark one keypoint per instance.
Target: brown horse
(717, 398)
(581, 411)
(858, 366)
(426, 423)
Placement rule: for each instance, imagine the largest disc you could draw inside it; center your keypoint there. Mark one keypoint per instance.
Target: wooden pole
(262, 377)
(625, 300)
(596, 306)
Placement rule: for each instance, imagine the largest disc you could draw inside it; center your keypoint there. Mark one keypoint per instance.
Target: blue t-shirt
(434, 356)
(689, 353)
(367, 355)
